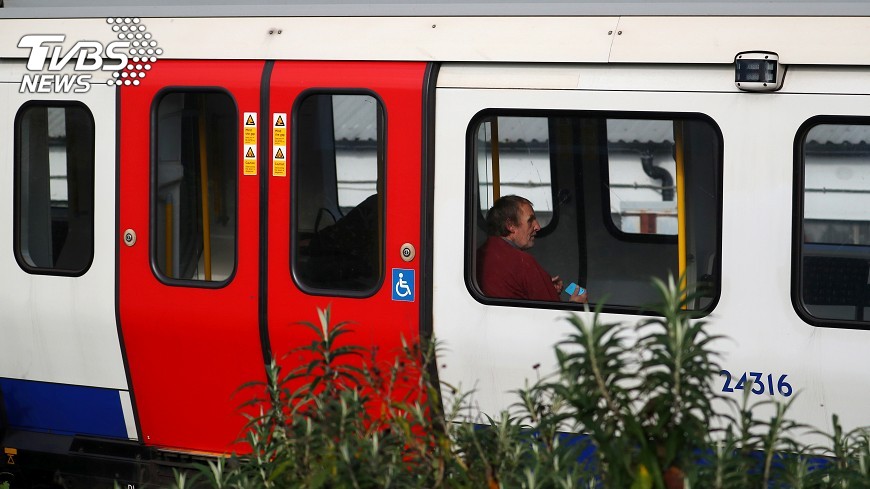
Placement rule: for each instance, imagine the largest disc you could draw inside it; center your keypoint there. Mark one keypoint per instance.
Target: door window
(195, 174)
(338, 163)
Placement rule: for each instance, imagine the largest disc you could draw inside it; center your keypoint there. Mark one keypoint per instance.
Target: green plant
(640, 395)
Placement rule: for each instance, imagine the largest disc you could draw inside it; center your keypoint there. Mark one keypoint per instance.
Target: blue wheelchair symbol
(403, 284)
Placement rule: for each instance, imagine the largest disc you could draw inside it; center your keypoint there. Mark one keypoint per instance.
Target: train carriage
(185, 182)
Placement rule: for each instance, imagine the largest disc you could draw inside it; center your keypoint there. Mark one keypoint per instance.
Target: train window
(513, 158)
(195, 176)
(54, 167)
(339, 192)
(833, 230)
(616, 220)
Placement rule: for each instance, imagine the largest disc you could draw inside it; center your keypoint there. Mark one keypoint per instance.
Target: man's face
(523, 233)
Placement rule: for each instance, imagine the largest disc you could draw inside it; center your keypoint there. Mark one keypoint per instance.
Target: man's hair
(505, 210)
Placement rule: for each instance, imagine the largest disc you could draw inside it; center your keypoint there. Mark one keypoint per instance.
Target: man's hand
(578, 297)
(557, 283)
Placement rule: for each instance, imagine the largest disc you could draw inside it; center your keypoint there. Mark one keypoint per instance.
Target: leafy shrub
(640, 394)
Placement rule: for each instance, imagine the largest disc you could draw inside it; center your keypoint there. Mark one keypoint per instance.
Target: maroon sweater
(505, 271)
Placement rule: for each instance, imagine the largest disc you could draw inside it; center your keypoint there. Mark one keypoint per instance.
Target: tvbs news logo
(128, 59)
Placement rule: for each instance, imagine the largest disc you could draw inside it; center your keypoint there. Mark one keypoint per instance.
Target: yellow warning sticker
(279, 161)
(279, 129)
(250, 158)
(249, 123)
(249, 135)
(279, 144)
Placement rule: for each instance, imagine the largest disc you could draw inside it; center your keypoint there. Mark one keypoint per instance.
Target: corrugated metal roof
(639, 131)
(839, 134)
(534, 129)
(355, 117)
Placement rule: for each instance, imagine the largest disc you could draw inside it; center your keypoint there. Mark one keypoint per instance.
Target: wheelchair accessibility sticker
(403, 284)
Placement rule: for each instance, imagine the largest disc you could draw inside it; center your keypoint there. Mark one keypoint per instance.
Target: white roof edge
(593, 39)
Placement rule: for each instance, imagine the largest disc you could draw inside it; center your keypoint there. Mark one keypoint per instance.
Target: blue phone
(570, 289)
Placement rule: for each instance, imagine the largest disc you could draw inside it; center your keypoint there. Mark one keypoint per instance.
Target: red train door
(338, 154)
(345, 174)
(189, 248)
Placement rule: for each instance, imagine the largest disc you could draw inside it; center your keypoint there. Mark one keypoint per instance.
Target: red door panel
(189, 344)
(377, 318)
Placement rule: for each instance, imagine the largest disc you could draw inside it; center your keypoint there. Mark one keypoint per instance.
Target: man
(504, 268)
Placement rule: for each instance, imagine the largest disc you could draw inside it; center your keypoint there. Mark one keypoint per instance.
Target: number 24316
(757, 382)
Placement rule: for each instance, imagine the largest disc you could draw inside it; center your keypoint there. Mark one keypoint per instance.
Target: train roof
(399, 8)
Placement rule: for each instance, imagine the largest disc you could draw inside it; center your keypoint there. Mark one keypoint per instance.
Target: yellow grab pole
(681, 201)
(203, 182)
(496, 174)
(170, 229)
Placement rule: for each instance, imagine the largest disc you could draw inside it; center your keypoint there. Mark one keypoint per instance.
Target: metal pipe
(659, 173)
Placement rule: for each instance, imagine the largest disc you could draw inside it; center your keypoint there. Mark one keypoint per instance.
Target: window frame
(472, 199)
(382, 168)
(18, 191)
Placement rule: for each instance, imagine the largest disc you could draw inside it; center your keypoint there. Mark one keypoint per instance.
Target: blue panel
(62, 409)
